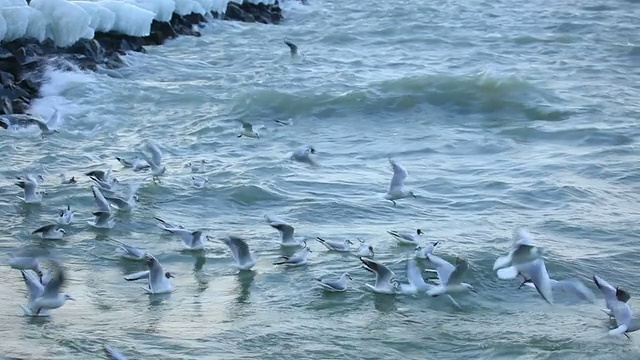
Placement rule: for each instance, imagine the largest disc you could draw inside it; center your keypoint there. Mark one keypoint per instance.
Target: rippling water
(504, 113)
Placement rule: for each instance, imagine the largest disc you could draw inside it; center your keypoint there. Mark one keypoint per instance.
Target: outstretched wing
(399, 176)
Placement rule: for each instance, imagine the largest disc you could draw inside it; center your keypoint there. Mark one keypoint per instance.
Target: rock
(6, 78)
(234, 12)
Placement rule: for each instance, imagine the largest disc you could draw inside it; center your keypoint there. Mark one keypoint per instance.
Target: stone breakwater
(22, 61)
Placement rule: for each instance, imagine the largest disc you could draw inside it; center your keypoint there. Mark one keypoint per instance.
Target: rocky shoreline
(22, 61)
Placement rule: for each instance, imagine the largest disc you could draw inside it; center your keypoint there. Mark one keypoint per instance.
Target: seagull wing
(399, 175)
(383, 273)
(247, 126)
(101, 202)
(58, 279)
(112, 353)
(575, 287)
(443, 268)
(238, 247)
(460, 269)
(608, 291)
(34, 287)
(156, 154)
(44, 229)
(293, 47)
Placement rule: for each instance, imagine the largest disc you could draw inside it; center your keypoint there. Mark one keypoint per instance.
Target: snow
(266, 2)
(37, 27)
(220, 6)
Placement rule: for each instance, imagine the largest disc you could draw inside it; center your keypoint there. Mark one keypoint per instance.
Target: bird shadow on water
(245, 280)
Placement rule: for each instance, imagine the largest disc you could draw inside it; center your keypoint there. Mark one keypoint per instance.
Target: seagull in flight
(396, 187)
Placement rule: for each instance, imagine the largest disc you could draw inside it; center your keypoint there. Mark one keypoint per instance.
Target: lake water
(504, 113)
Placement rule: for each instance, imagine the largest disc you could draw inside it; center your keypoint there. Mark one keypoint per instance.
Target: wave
(464, 94)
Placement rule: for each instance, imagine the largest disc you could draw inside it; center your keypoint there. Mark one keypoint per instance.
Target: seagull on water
(32, 195)
(157, 279)
(65, 180)
(46, 297)
(334, 285)
(124, 203)
(423, 251)
(293, 48)
(616, 301)
(297, 259)
(191, 240)
(449, 276)
(385, 278)
(340, 246)
(406, 238)
(303, 154)
(65, 216)
(130, 252)
(396, 188)
(415, 280)
(197, 167)
(244, 258)
(364, 249)
(199, 182)
(113, 353)
(136, 164)
(51, 126)
(247, 130)
(50, 232)
(155, 160)
(286, 231)
(103, 217)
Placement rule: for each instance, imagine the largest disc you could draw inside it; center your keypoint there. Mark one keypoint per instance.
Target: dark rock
(234, 12)
(248, 17)
(6, 106)
(6, 78)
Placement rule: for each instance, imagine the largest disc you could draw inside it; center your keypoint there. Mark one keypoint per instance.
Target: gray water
(505, 114)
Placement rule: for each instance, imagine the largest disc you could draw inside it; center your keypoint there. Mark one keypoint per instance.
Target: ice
(18, 22)
(37, 27)
(186, 7)
(7, 3)
(102, 19)
(130, 19)
(3, 27)
(162, 8)
(67, 22)
(266, 2)
(220, 6)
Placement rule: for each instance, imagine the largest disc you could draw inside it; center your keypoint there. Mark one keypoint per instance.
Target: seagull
(450, 276)
(364, 249)
(103, 179)
(130, 252)
(336, 245)
(286, 231)
(155, 161)
(396, 188)
(64, 180)
(122, 204)
(247, 130)
(611, 294)
(406, 238)
(34, 290)
(199, 182)
(50, 298)
(422, 251)
(292, 47)
(26, 263)
(415, 280)
(136, 164)
(297, 259)
(333, 285)
(385, 278)
(198, 167)
(525, 259)
(103, 218)
(65, 216)
(112, 353)
(192, 240)
(51, 126)
(243, 257)
(30, 186)
(50, 232)
(303, 154)
(158, 279)
(570, 285)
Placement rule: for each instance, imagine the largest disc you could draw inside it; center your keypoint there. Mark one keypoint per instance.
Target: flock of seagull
(446, 279)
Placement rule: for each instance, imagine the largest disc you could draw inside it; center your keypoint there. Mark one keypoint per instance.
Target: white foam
(162, 8)
(18, 21)
(130, 19)
(67, 22)
(186, 7)
(102, 19)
